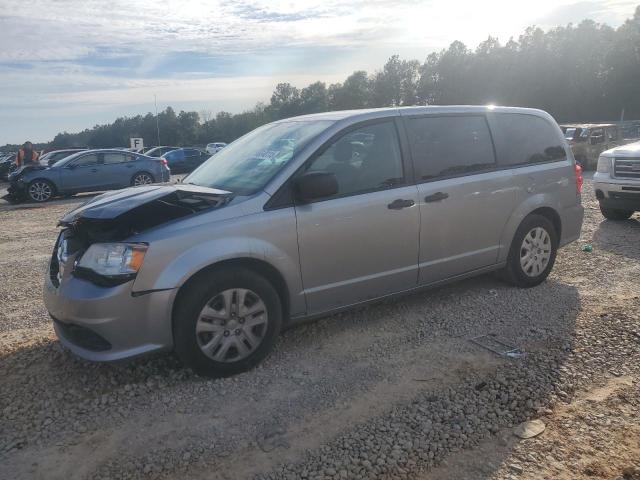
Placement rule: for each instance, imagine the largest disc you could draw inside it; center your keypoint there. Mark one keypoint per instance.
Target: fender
(534, 202)
(277, 247)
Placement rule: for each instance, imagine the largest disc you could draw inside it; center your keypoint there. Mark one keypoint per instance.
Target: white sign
(137, 143)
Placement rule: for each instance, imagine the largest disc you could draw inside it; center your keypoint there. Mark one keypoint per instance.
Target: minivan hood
(117, 215)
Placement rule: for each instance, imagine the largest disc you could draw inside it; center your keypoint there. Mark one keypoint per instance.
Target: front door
(363, 242)
(82, 174)
(464, 201)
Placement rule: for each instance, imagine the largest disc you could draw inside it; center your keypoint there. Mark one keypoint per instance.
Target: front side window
(363, 160)
(523, 139)
(86, 160)
(249, 163)
(449, 146)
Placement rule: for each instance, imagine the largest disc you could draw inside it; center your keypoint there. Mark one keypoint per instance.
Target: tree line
(584, 72)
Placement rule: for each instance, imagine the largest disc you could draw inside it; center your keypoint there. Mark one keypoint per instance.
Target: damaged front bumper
(108, 324)
(106, 321)
(16, 192)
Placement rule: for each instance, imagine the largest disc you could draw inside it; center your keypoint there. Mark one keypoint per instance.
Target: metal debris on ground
(493, 344)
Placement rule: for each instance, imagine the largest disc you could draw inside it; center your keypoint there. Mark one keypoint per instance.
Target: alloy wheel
(142, 179)
(232, 325)
(40, 191)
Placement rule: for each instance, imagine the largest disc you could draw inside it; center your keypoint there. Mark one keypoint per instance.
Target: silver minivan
(306, 216)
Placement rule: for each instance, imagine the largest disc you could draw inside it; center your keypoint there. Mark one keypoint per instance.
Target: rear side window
(450, 146)
(113, 157)
(525, 139)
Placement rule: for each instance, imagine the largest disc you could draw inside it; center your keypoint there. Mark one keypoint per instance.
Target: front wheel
(532, 253)
(615, 213)
(226, 322)
(40, 190)
(141, 178)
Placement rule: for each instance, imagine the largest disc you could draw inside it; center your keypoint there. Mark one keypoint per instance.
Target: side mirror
(314, 185)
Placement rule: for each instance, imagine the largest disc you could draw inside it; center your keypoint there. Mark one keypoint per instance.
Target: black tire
(137, 179)
(615, 214)
(40, 190)
(514, 272)
(200, 292)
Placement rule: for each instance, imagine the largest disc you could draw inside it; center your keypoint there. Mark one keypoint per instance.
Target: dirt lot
(395, 390)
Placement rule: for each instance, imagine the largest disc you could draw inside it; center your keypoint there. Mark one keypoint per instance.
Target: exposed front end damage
(102, 318)
(119, 215)
(17, 190)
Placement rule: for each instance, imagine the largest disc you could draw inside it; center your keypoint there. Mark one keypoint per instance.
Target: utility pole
(155, 100)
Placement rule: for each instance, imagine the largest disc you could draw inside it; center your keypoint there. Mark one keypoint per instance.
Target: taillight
(579, 179)
(164, 162)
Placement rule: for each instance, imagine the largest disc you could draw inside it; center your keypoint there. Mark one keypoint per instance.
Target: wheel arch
(536, 205)
(261, 267)
(551, 215)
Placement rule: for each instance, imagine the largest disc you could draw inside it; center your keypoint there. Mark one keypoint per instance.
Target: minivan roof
(416, 110)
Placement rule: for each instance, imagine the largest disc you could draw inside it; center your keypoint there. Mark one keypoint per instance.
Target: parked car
(54, 156)
(617, 181)
(159, 151)
(7, 164)
(587, 141)
(86, 171)
(183, 160)
(262, 236)
(215, 147)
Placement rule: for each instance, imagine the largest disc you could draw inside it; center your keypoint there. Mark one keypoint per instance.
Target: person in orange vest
(26, 155)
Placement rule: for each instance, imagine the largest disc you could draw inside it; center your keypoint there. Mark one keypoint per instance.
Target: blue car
(86, 171)
(185, 160)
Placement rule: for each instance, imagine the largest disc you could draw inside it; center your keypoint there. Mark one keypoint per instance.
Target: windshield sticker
(268, 154)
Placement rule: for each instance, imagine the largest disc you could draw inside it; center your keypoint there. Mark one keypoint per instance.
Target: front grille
(627, 168)
(83, 337)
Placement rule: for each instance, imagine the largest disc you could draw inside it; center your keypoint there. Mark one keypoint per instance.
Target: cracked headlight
(113, 259)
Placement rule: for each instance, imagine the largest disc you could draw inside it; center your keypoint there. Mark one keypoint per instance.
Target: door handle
(436, 197)
(399, 204)
(94, 169)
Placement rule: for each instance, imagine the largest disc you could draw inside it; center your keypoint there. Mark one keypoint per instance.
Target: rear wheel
(226, 322)
(532, 253)
(615, 213)
(141, 178)
(40, 190)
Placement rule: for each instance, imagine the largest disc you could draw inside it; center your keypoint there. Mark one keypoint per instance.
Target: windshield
(569, 133)
(245, 166)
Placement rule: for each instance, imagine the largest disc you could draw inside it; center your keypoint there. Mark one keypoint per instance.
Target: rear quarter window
(523, 139)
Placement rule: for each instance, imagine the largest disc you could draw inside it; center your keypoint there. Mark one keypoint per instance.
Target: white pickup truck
(617, 181)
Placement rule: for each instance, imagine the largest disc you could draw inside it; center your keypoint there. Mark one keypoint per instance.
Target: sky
(66, 65)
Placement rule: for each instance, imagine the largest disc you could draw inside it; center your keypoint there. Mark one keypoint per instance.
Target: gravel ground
(395, 390)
